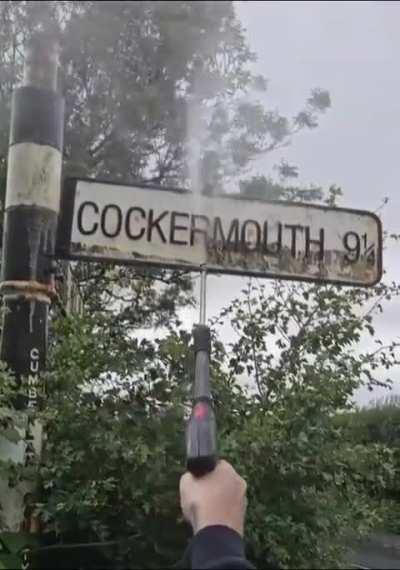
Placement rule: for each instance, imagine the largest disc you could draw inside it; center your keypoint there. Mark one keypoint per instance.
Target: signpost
(27, 287)
(172, 228)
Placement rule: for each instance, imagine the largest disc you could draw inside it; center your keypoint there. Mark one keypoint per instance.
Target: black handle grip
(201, 440)
(201, 450)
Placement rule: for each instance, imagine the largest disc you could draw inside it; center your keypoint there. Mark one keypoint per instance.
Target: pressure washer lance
(201, 444)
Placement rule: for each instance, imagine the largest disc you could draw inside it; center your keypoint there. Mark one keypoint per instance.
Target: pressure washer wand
(201, 444)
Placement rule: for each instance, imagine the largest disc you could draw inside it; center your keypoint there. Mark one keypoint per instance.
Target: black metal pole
(31, 214)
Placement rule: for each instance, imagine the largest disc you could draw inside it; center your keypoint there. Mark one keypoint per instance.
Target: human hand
(218, 498)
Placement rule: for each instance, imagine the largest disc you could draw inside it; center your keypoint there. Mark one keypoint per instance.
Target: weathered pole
(31, 215)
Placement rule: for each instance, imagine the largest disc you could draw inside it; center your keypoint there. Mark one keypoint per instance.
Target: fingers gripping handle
(201, 445)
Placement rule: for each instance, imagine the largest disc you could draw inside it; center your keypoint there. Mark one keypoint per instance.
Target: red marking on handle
(200, 411)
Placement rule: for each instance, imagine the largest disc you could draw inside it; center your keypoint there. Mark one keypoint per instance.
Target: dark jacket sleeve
(217, 548)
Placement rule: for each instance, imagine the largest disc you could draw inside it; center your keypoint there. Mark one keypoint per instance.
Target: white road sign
(171, 228)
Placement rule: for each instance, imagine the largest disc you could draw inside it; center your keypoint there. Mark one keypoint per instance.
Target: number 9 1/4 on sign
(138, 224)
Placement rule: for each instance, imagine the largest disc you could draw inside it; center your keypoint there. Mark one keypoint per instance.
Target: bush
(115, 421)
(379, 424)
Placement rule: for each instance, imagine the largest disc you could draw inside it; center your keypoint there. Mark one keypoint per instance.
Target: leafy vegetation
(115, 427)
(379, 424)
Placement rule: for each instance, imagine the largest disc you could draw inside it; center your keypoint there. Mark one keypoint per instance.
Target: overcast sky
(352, 49)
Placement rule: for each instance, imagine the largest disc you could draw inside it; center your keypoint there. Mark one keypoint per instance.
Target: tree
(122, 59)
(139, 77)
(134, 75)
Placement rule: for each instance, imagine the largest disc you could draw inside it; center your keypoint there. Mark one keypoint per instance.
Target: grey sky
(351, 49)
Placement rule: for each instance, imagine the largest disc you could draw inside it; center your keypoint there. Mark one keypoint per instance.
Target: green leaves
(300, 345)
(266, 189)
(319, 100)
(115, 420)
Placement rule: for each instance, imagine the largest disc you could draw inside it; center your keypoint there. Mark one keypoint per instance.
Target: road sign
(138, 224)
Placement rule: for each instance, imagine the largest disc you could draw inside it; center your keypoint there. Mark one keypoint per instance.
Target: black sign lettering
(107, 220)
(195, 230)
(279, 239)
(265, 240)
(155, 223)
(247, 244)
(128, 228)
(369, 250)
(174, 228)
(93, 229)
(276, 247)
(319, 242)
(219, 235)
(293, 228)
(352, 244)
